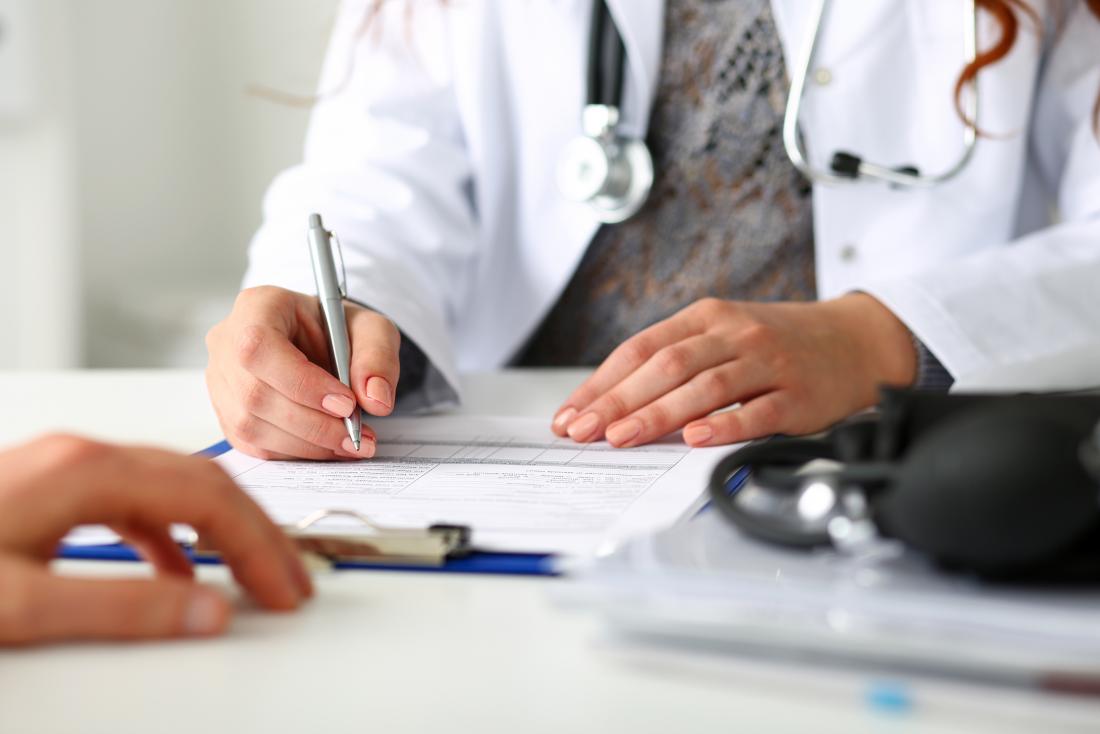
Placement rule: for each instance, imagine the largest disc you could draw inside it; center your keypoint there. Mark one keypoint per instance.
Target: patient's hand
(55, 483)
(794, 368)
(268, 380)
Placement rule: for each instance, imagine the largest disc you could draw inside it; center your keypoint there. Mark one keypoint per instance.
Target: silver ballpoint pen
(331, 292)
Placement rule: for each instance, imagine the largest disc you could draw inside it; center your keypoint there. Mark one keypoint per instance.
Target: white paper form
(517, 485)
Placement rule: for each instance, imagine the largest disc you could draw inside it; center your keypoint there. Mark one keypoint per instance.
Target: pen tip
(357, 444)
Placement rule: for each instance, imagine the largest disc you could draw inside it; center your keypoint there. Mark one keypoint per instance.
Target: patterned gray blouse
(729, 215)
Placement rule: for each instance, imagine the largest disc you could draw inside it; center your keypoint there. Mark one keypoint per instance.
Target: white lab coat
(435, 163)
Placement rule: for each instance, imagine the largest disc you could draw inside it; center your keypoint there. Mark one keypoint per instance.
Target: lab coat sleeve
(386, 166)
(1027, 315)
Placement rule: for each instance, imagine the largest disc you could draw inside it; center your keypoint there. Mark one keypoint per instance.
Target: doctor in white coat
(433, 153)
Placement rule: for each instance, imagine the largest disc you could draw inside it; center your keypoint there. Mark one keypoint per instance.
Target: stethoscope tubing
(602, 117)
(606, 59)
(792, 139)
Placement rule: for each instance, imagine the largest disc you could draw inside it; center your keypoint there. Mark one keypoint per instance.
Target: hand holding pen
(270, 385)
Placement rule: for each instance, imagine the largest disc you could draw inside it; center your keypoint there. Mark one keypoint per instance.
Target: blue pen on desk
(331, 292)
(889, 697)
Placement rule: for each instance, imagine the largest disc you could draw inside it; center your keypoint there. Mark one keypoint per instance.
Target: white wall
(39, 285)
(174, 156)
(132, 193)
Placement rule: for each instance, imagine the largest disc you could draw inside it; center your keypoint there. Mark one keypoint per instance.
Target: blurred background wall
(132, 166)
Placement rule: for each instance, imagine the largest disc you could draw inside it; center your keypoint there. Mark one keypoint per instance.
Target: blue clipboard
(507, 564)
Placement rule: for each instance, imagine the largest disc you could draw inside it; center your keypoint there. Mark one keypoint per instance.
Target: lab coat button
(848, 253)
(822, 76)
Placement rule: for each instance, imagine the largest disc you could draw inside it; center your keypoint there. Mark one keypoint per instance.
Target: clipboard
(460, 560)
(438, 549)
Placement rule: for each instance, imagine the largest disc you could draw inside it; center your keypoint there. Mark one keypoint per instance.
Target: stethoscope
(1004, 485)
(613, 173)
(609, 171)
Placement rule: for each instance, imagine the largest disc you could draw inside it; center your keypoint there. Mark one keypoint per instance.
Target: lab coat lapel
(642, 25)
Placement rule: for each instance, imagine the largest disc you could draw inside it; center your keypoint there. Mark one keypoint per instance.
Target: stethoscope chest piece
(604, 169)
(612, 174)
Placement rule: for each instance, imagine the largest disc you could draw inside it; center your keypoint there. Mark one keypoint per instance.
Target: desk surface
(389, 651)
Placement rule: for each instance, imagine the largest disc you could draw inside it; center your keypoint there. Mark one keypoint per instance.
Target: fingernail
(380, 391)
(206, 613)
(564, 418)
(620, 434)
(340, 406)
(698, 435)
(582, 429)
(367, 447)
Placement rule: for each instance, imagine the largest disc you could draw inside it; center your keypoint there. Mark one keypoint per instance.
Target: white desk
(387, 652)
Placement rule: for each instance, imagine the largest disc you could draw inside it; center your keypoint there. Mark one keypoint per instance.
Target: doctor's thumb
(375, 360)
(75, 608)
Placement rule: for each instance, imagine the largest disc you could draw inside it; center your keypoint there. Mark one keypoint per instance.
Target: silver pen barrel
(331, 297)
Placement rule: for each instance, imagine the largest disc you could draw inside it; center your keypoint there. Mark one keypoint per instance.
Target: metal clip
(343, 268)
(372, 543)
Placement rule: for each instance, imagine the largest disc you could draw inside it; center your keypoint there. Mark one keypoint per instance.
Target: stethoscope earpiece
(851, 167)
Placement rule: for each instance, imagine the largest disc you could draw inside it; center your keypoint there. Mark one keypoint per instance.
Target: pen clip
(343, 269)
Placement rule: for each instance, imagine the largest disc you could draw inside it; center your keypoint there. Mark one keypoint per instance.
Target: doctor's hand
(795, 368)
(269, 382)
(55, 483)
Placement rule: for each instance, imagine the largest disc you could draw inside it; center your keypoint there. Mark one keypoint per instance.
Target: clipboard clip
(371, 542)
